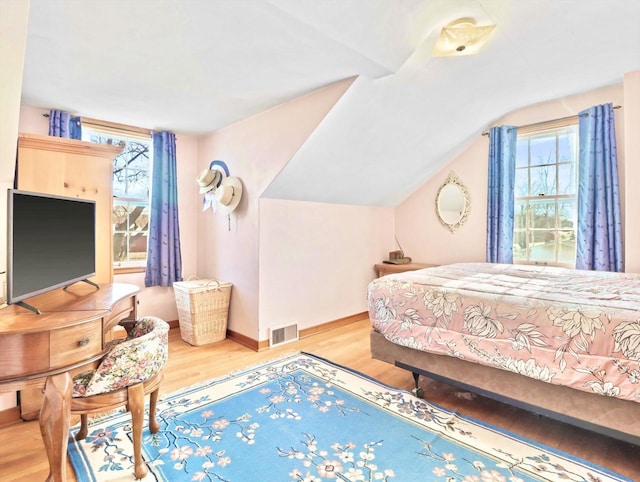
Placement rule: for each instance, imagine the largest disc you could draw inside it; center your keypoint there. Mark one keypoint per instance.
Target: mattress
(579, 329)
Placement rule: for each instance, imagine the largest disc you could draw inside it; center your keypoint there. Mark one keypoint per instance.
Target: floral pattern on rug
(305, 419)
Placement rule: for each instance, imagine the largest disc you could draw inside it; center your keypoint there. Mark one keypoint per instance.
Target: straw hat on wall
(228, 194)
(208, 179)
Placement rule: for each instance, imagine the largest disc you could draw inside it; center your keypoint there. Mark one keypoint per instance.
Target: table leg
(55, 417)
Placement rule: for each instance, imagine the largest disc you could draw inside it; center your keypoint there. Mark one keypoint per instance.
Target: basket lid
(200, 285)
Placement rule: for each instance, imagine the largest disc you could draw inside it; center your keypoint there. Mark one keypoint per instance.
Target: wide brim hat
(228, 194)
(209, 179)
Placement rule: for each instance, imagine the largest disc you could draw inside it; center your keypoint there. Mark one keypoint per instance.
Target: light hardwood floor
(22, 456)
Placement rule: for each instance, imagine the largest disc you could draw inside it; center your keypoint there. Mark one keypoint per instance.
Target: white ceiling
(193, 66)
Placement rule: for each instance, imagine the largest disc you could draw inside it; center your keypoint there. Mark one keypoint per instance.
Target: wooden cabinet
(72, 168)
(387, 268)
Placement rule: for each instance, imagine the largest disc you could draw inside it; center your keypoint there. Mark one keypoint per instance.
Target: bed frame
(613, 417)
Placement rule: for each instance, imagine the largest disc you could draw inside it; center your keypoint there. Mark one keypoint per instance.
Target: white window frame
(125, 134)
(547, 130)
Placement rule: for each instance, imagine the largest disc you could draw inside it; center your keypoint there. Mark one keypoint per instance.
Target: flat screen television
(51, 243)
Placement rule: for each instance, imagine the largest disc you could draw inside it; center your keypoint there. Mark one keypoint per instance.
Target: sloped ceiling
(196, 66)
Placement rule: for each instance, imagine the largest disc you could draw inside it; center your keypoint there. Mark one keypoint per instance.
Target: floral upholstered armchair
(136, 359)
(130, 369)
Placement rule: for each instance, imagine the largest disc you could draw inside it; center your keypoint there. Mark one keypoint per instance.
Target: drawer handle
(84, 341)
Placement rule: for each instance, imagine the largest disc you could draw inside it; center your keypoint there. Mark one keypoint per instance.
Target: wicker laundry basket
(203, 310)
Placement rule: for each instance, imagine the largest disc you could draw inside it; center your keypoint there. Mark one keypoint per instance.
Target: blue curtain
(502, 173)
(599, 240)
(62, 124)
(164, 261)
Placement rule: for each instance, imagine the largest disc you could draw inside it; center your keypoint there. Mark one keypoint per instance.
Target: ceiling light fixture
(461, 37)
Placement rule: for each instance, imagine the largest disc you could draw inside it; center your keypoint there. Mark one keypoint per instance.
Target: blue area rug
(303, 418)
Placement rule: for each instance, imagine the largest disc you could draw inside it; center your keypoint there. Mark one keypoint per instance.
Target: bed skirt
(609, 416)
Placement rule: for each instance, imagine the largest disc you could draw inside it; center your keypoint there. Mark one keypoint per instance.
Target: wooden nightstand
(385, 268)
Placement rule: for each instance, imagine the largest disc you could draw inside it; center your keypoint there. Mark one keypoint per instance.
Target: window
(545, 198)
(131, 186)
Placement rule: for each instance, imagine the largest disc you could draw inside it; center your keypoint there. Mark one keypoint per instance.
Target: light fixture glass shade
(461, 37)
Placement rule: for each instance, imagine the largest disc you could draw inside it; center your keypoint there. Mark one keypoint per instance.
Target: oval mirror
(452, 203)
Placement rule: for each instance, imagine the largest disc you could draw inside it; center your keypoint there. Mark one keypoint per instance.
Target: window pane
(543, 150)
(567, 144)
(520, 245)
(543, 180)
(119, 163)
(130, 231)
(566, 213)
(119, 247)
(542, 246)
(137, 155)
(522, 152)
(138, 246)
(138, 231)
(567, 247)
(567, 179)
(119, 187)
(522, 182)
(520, 215)
(543, 214)
(137, 184)
(131, 171)
(119, 217)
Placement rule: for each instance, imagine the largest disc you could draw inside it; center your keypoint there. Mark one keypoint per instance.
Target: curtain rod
(132, 130)
(486, 133)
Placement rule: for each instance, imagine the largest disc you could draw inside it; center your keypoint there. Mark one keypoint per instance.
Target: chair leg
(136, 407)
(84, 427)
(154, 426)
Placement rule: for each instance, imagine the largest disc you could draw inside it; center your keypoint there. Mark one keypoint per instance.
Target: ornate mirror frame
(454, 181)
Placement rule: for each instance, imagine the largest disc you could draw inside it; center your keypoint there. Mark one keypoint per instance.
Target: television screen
(51, 242)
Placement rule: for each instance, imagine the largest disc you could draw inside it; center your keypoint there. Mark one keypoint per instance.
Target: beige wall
(631, 112)
(13, 38)
(317, 259)
(426, 240)
(253, 248)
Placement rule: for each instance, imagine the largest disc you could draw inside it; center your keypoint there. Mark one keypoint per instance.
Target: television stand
(88, 281)
(29, 307)
(38, 312)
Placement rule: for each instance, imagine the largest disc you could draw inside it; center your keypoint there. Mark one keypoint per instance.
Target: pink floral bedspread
(575, 328)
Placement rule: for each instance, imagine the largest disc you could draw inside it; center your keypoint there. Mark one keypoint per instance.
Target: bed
(562, 343)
